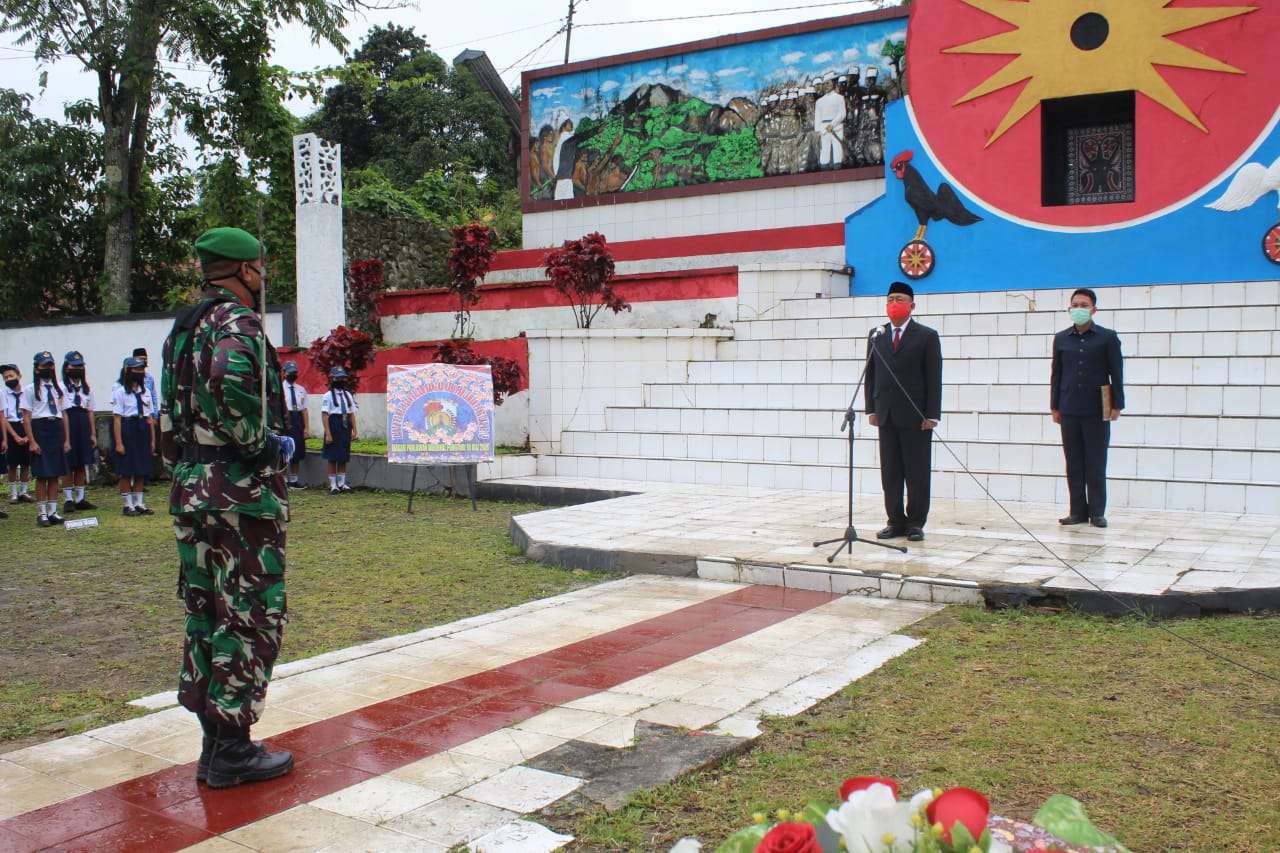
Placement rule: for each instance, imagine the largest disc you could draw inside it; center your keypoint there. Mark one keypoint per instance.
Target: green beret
(233, 243)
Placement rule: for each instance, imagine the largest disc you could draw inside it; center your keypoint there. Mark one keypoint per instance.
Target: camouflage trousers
(231, 581)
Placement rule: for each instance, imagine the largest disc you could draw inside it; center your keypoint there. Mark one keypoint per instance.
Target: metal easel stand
(471, 479)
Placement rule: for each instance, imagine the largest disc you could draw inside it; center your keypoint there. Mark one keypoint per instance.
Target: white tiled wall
(815, 204)
(1201, 428)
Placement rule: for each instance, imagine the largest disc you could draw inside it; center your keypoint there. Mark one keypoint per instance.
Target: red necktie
(897, 336)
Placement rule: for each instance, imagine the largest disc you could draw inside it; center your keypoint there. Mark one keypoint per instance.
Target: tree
(402, 111)
(123, 45)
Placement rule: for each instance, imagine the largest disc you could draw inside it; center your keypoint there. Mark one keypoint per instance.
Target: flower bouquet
(871, 819)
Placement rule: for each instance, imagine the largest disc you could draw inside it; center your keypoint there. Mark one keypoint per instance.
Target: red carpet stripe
(167, 810)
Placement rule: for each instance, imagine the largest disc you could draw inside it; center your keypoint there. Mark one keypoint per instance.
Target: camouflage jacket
(212, 434)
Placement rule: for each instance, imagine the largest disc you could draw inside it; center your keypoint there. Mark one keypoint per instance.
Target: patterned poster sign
(439, 414)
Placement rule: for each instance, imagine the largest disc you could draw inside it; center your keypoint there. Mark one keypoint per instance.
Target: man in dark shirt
(1086, 357)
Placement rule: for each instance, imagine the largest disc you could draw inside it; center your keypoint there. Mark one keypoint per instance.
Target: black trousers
(1084, 444)
(905, 460)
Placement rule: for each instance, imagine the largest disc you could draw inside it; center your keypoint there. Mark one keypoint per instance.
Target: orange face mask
(898, 311)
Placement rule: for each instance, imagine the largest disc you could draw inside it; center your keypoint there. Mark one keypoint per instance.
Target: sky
(517, 35)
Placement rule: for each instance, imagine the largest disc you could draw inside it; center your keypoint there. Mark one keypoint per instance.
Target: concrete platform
(975, 552)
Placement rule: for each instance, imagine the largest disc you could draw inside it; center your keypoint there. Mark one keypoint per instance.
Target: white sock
(128, 499)
(342, 480)
(79, 493)
(137, 500)
(23, 486)
(66, 492)
(13, 489)
(333, 481)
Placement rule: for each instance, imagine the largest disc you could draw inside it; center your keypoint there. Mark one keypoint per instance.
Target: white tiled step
(1131, 492)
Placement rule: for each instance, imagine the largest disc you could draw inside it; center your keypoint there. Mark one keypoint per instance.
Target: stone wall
(413, 252)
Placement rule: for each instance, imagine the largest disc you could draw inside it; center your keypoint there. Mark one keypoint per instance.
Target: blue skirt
(51, 461)
(295, 432)
(80, 425)
(19, 455)
(135, 435)
(338, 450)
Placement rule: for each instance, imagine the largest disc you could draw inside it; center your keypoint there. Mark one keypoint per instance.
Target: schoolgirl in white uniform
(338, 407)
(44, 415)
(81, 438)
(17, 453)
(295, 403)
(131, 424)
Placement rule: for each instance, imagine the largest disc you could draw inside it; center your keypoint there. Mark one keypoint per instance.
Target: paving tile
(377, 800)
(521, 789)
(509, 745)
(521, 836)
(452, 820)
(302, 829)
(34, 791)
(449, 771)
(566, 723)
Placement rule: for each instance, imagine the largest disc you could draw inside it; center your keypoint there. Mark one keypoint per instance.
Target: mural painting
(786, 104)
(1108, 143)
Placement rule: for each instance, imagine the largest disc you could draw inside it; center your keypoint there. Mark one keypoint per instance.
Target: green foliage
(736, 155)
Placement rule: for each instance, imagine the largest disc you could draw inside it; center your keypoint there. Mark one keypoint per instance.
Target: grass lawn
(1168, 747)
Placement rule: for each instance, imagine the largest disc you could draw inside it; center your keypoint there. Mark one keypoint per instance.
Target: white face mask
(1080, 316)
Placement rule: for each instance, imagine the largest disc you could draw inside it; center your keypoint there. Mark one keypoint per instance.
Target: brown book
(1106, 402)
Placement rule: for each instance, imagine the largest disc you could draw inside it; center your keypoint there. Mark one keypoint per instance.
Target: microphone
(875, 332)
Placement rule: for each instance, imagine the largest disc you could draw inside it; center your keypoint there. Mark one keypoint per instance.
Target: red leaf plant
(469, 262)
(582, 270)
(507, 375)
(351, 349)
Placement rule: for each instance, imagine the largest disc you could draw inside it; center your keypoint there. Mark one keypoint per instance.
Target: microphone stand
(850, 423)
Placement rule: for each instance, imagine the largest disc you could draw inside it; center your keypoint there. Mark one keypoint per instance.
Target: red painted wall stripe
(166, 811)
(761, 240)
(711, 283)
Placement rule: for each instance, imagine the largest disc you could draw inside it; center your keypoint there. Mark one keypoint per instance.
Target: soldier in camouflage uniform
(229, 506)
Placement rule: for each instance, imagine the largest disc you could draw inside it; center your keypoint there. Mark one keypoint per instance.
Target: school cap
(291, 366)
(338, 373)
(233, 243)
(42, 358)
(902, 287)
(130, 361)
(74, 358)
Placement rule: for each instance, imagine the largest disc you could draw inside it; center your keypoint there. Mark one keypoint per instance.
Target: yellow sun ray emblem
(1065, 48)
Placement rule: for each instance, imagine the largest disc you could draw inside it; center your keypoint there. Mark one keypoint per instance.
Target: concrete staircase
(1201, 430)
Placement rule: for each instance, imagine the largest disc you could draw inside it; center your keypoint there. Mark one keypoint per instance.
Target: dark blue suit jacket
(1082, 364)
(917, 362)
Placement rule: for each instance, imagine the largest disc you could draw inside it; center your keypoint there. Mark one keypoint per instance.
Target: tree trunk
(124, 101)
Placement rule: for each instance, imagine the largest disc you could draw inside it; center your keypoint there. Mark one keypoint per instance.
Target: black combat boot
(235, 760)
(206, 747)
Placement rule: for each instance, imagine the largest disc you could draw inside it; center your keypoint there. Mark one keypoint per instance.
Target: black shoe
(1072, 519)
(43, 521)
(130, 511)
(85, 504)
(26, 499)
(1098, 521)
(143, 510)
(14, 501)
(3, 514)
(345, 489)
(234, 760)
(296, 485)
(54, 518)
(893, 531)
(69, 507)
(335, 491)
(915, 534)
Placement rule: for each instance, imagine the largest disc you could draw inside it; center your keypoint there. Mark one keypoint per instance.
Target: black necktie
(17, 404)
(53, 403)
(77, 400)
(293, 398)
(137, 395)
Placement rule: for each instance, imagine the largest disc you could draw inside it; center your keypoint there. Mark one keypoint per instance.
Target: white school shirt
(86, 398)
(336, 407)
(125, 403)
(44, 407)
(12, 408)
(299, 392)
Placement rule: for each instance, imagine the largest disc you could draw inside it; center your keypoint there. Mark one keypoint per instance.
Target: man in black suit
(904, 401)
(1085, 358)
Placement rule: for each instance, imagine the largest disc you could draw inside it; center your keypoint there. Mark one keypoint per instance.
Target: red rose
(959, 805)
(861, 783)
(790, 838)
